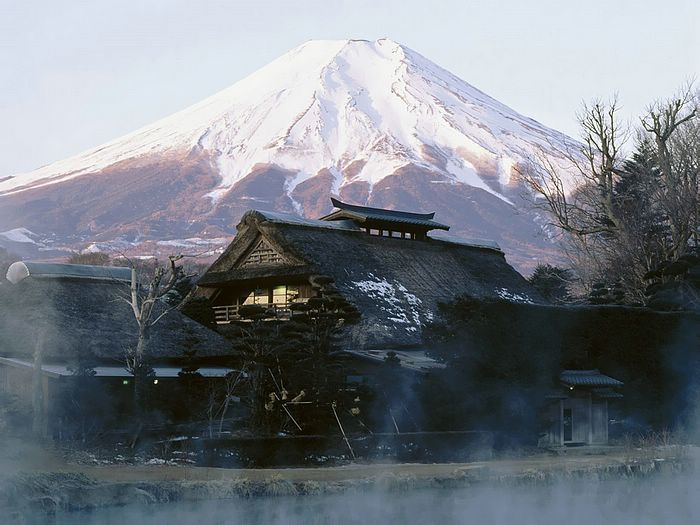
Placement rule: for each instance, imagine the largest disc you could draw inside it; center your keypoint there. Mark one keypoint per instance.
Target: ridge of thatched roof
(76, 315)
(45, 270)
(286, 218)
(395, 283)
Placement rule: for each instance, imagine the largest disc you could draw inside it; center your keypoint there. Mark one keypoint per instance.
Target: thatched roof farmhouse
(382, 261)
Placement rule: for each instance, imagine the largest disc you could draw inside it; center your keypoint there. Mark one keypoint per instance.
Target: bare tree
(672, 125)
(579, 198)
(150, 302)
(581, 201)
(617, 226)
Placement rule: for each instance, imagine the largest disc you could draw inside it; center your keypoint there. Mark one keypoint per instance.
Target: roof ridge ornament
(356, 207)
(20, 270)
(385, 220)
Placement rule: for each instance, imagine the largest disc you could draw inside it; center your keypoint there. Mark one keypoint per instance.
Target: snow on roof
(20, 270)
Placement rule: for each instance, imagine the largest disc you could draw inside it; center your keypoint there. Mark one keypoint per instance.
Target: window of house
(279, 295)
(258, 296)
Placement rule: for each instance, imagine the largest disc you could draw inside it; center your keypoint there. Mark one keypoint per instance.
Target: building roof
(474, 243)
(606, 393)
(58, 370)
(395, 283)
(365, 214)
(415, 359)
(587, 378)
(74, 315)
(286, 218)
(43, 270)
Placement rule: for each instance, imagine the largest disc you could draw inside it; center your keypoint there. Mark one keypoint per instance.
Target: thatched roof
(43, 270)
(395, 283)
(76, 314)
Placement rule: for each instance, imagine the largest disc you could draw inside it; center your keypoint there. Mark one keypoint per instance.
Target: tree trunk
(259, 416)
(141, 375)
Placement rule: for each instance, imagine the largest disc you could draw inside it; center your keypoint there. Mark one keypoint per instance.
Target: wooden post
(347, 442)
(38, 415)
(394, 421)
(561, 422)
(590, 418)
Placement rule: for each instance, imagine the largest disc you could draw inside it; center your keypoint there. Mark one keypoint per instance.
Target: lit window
(279, 295)
(258, 296)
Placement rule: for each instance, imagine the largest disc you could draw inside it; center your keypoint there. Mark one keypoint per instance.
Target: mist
(655, 500)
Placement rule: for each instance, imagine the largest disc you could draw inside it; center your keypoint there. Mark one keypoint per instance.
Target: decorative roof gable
(262, 254)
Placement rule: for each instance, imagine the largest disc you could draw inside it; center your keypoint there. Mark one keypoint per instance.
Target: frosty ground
(36, 479)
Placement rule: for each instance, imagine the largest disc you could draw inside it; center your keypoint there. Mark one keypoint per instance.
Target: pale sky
(77, 73)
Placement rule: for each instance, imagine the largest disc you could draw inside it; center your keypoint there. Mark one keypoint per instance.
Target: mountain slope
(373, 122)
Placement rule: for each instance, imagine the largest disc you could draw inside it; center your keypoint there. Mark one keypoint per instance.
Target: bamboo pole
(394, 420)
(347, 442)
(288, 412)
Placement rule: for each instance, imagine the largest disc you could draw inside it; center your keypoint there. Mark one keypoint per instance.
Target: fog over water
(655, 500)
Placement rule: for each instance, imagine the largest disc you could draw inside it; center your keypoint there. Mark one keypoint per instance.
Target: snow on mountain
(340, 117)
(22, 235)
(327, 104)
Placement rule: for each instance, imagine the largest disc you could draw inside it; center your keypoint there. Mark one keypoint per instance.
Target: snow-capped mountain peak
(327, 104)
(341, 117)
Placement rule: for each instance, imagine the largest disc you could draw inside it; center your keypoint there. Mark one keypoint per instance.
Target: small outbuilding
(577, 413)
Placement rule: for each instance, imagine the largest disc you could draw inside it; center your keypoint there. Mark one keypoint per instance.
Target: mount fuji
(373, 123)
